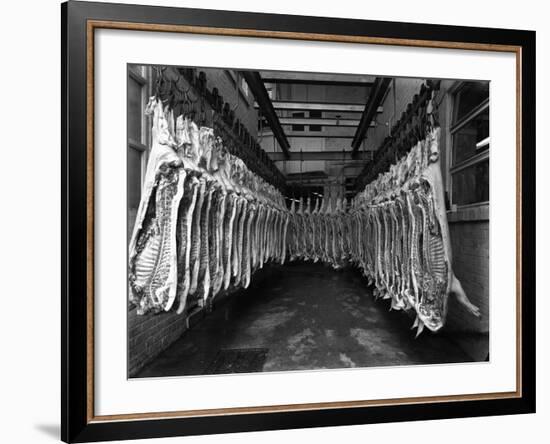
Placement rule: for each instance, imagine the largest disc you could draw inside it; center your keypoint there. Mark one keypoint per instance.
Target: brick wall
(470, 243)
(150, 334)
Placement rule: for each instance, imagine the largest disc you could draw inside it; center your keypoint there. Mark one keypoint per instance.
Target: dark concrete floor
(305, 316)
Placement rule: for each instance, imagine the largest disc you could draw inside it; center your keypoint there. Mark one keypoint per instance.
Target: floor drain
(237, 360)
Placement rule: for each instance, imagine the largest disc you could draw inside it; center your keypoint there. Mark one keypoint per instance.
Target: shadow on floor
(303, 316)
(51, 430)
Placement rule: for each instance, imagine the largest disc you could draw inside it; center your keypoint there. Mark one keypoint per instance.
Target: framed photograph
(276, 221)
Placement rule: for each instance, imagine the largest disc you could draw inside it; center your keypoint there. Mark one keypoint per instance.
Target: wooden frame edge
(284, 408)
(338, 38)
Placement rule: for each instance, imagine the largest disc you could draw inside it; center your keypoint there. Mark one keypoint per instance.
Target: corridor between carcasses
(302, 316)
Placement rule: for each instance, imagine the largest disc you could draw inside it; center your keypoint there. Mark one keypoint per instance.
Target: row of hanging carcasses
(395, 231)
(205, 222)
(320, 233)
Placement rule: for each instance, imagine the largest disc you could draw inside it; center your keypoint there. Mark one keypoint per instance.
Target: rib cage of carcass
(395, 231)
(205, 222)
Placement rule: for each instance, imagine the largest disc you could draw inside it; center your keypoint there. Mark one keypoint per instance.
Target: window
(315, 115)
(298, 127)
(470, 144)
(137, 140)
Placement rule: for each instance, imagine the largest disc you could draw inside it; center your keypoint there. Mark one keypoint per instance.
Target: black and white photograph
(300, 221)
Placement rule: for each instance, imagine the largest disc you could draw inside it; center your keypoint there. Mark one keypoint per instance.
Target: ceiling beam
(326, 133)
(295, 179)
(257, 87)
(322, 122)
(377, 93)
(292, 77)
(319, 106)
(319, 155)
(308, 135)
(351, 84)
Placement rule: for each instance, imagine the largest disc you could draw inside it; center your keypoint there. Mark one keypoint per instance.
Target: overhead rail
(257, 87)
(185, 89)
(378, 91)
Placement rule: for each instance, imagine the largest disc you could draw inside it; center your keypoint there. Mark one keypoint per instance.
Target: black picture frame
(77, 425)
